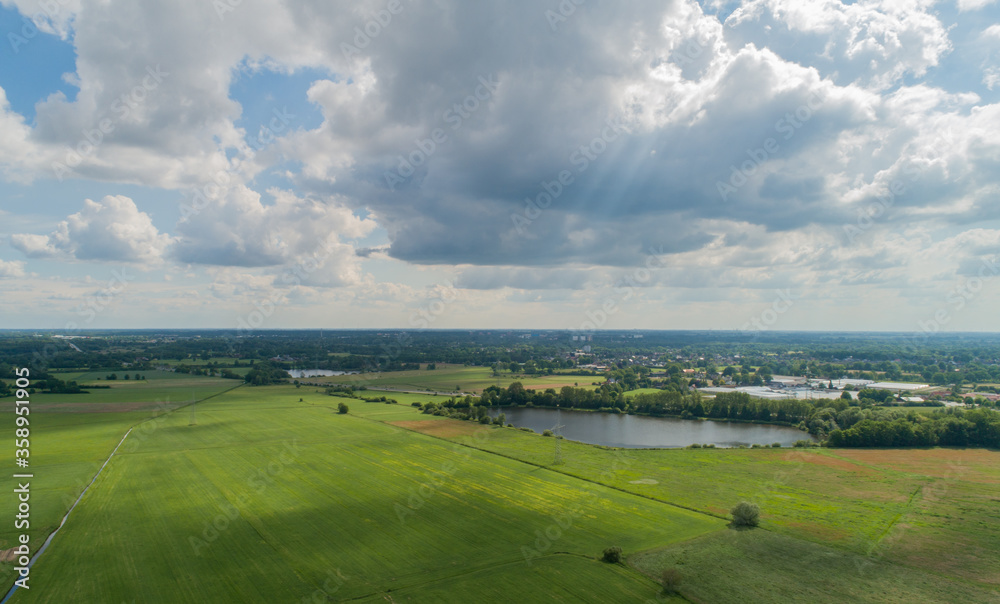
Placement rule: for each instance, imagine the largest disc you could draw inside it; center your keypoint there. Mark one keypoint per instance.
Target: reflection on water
(307, 373)
(634, 431)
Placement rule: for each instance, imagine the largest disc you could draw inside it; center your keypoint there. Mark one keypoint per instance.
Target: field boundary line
(52, 535)
(544, 467)
(79, 498)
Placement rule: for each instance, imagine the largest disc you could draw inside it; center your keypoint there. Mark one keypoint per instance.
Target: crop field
(269, 498)
(934, 510)
(269, 494)
(446, 377)
(158, 387)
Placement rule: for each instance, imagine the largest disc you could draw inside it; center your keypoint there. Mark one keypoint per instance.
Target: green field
(309, 492)
(159, 386)
(270, 495)
(446, 377)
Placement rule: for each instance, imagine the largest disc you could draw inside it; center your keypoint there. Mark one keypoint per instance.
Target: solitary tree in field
(746, 513)
(612, 554)
(342, 408)
(670, 580)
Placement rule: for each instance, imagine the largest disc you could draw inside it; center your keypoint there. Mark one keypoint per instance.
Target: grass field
(159, 386)
(446, 377)
(274, 496)
(934, 510)
(297, 492)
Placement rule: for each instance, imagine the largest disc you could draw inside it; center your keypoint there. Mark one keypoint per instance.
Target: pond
(636, 431)
(308, 373)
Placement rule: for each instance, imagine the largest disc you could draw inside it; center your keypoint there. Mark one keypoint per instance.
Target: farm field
(299, 494)
(274, 496)
(929, 509)
(159, 387)
(446, 377)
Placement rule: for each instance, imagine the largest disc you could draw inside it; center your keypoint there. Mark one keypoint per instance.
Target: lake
(308, 373)
(636, 431)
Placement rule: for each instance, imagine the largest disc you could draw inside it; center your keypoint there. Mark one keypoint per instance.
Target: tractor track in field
(472, 570)
(48, 540)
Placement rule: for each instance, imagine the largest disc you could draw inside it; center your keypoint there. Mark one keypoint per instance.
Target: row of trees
(954, 428)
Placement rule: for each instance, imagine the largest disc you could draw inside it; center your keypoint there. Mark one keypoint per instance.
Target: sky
(539, 164)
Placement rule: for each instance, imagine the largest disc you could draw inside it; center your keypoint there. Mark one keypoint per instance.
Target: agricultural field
(269, 494)
(447, 377)
(933, 510)
(271, 498)
(166, 387)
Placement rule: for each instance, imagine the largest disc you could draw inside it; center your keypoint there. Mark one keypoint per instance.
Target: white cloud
(11, 269)
(299, 234)
(110, 230)
(968, 5)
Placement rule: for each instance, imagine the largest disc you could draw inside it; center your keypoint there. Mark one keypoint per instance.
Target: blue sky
(654, 165)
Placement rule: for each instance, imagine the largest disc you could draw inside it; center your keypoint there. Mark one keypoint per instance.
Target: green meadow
(447, 377)
(268, 498)
(268, 494)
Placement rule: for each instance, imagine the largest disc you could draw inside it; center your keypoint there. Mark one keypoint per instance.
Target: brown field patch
(556, 385)
(825, 534)
(100, 407)
(977, 465)
(442, 428)
(8, 555)
(828, 461)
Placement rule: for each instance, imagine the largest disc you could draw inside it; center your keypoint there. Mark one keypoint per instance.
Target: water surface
(634, 431)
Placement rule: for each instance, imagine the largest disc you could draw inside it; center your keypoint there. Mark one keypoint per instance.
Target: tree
(613, 554)
(342, 408)
(745, 513)
(670, 579)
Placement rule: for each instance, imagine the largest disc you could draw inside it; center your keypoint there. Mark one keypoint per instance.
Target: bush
(342, 408)
(414, 404)
(547, 433)
(745, 513)
(670, 579)
(613, 554)
(775, 445)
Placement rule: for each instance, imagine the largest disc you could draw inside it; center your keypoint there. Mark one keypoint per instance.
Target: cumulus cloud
(111, 230)
(11, 269)
(526, 154)
(304, 235)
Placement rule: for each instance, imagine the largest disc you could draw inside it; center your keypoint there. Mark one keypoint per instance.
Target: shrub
(745, 513)
(414, 404)
(613, 554)
(670, 579)
(342, 408)
(775, 445)
(547, 433)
